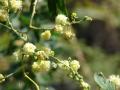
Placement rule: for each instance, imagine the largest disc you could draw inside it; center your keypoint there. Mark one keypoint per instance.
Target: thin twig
(13, 73)
(36, 85)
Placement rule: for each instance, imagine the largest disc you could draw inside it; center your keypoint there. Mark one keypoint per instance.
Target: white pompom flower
(64, 65)
(2, 78)
(61, 19)
(115, 79)
(41, 66)
(3, 15)
(16, 5)
(29, 48)
(75, 65)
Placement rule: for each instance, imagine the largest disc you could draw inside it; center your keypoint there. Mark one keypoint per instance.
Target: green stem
(36, 85)
(32, 17)
(20, 34)
(13, 73)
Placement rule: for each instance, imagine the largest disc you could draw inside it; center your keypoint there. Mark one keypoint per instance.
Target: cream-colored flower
(3, 15)
(75, 65)
(61, 19)
(29, 48)
(59, 28)
(41, 66)
(85, 85)
(68, 35)
(46, 35)
(16, 4)
(64, 65)
(1, 78)
(41, 55)
(49, 52)
(115, 79)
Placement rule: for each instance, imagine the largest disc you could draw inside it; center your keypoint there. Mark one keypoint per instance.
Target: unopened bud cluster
(115, 79)
(12, 5)
(2, 78)
(61, 26)
(66, 65)
(46, 35)
(16, 5)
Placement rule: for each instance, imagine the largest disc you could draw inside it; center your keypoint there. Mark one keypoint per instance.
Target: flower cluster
(2, 78)
(115, 79)
(3, 15)
(16, 5)
(62, 26)
(13, 5)
(66, 65)
(46, 35)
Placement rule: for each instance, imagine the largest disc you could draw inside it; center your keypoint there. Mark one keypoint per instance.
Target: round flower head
(29, 48)
(16, 5)
(41, 55)
(46, 35)
(3, 15)
(75, 65)
(68, 35)
(41, 66)
(59, 28)
(85, 85)
(4, 3)
(64, 65)
(115, 80)
(1, 78)
(61, 19)
(49, 52)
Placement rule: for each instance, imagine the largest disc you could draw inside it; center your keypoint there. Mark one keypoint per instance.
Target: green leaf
(103, 83)
(52, 8)
(55, 7)
(61, 7)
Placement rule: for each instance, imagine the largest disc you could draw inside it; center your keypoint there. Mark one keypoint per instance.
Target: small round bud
(2, 78)
(64, 65)
(85, 85)
(61, 19)
(29, 48)
(74, 16)
(16, 5)
(49, 52)
(4, 3)
(46, 35)
(87, 18)
(41, 55)
(68, 35)
(75, 65)
(115, 79)
(3, 15)
(41, 66)
(59, 28)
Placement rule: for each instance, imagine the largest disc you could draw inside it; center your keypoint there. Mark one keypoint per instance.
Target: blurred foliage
(93, 58)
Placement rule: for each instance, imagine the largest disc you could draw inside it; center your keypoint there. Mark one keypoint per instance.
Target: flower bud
(2, 78)
(3, 15)
(85, 85)
(61, 19)
(29, 48)
(64, 65)
(75, 65)
(41, 55)
(68, 35)
(41, 66)
(46, 35)
(16, 5)
(115, 80)
(59, 28)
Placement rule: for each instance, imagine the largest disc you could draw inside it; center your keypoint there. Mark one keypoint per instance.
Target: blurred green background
(97, 43)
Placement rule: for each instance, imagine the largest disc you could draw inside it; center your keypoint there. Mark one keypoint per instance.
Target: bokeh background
(97, 43)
